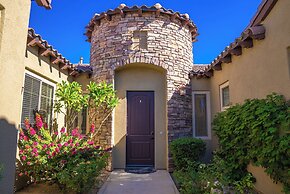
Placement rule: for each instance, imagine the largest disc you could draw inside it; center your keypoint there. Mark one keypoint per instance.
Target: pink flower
(53, 153)
(26, 123)
(28, 163)
(59, 145)
(20, 151)
(65, 144)
(21, 174)
(97, 147)
(25, 138)
(35, 143)
(70, 141)
(51, 144)
(32, 131)
(90, 142)
(92, 128)
(56, 133)
(23, 158)
(34, 150)
(38, 120)
(57, 149)
(62, 130)
(77, 144)
(36, 154)
(47, 152)
(73, 152)
(75, 132)
(44, 146)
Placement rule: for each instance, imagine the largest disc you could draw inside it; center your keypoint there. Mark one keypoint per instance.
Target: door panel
(140, 128)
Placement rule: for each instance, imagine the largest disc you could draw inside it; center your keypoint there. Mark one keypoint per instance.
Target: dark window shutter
(30, 98)
(46, 103)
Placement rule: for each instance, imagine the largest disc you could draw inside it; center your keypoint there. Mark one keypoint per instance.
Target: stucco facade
(167, 45)
(257, 72)
(13, 31)
(145, 49)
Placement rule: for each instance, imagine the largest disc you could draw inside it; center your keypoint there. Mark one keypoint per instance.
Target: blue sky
(218, 22)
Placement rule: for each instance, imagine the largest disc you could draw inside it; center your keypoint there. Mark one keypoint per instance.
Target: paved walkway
(121, 182)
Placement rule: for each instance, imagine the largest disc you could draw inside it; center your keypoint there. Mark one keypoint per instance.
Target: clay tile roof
(157, 9)
(44, 3)
(45, 50)
(254, 31)
(200, 71)
(83, 68)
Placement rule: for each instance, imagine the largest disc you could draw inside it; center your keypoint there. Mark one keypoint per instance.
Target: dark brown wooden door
(140, 128)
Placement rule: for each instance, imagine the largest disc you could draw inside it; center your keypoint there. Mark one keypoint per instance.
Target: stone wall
(169, 46)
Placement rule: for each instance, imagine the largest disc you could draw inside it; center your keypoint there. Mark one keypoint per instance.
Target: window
(84, 121)
(225, 96)
(139, 40)
(201, 114)
(37, 97)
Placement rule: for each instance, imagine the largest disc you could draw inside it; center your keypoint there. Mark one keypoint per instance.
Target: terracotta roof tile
(157, 9)
(45, 49)
(254, 31)
(44, 3)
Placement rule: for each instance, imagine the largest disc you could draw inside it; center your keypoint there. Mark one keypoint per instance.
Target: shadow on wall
(8, 147)
(180, 123)
(179, 112)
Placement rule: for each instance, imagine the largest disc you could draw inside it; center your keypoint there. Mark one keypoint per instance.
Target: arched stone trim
(137, 59)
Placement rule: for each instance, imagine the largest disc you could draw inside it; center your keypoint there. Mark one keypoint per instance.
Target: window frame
(221, 87)
(42, 80)
(208, 114)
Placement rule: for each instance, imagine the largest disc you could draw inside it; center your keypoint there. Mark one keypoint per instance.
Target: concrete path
(120, 182)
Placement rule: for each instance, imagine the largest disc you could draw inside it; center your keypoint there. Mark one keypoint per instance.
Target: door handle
(152, 133)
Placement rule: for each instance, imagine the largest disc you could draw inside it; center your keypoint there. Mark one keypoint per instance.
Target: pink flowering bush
(71, 160)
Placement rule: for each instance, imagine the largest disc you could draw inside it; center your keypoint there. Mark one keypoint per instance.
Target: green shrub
(189, 180)
(256, 131)
(187, 151)
(71, 160)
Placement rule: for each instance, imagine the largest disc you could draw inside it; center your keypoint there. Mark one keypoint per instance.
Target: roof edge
(44, 3)
(46, 50)
(254, 31)
(157, 9)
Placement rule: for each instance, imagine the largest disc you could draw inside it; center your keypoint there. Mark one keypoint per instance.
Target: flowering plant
(71, 160)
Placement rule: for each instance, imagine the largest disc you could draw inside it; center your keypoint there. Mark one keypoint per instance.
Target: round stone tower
(146, 37)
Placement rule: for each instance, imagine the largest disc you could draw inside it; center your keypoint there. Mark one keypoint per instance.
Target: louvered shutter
(30, 98)
(46, 103)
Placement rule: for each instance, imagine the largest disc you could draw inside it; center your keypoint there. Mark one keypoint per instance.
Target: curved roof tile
(157, 9)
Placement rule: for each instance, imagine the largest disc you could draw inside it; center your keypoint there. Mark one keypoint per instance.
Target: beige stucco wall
(140, 77)
(13, 35)
(42, 67)
(259, 71)
(13, 28)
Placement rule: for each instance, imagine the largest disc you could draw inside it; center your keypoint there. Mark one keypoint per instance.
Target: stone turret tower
(144, 40)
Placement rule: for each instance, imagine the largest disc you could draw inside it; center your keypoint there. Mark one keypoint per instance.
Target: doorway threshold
(140, 169)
